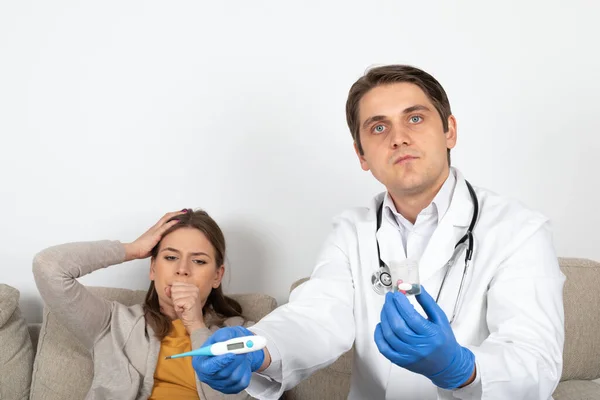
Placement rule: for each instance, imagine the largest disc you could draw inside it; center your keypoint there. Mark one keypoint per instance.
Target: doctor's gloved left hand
(425, 346)
(228, 373)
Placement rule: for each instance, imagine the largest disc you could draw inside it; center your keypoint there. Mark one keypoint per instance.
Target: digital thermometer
(238, 345)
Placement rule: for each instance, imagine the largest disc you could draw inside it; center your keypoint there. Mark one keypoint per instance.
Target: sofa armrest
(16, 352)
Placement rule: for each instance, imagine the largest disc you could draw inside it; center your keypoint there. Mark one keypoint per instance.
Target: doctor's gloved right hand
(228, 373)
(426, 346)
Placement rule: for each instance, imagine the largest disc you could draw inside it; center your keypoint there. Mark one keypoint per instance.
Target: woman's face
(184, 255)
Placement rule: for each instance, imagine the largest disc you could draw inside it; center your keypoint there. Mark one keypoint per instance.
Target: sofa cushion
(577, 390)
(326, 383)
(60, 355)
(16, 350)
(582, 322)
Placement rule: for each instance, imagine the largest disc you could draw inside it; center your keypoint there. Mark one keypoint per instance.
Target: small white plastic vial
(405, 276)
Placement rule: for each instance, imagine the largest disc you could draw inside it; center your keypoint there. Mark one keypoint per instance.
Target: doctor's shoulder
(506, 217)
(360, 214)
(347, 224)
(353, 216)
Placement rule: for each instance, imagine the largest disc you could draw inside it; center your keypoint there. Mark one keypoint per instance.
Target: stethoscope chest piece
(381, 281)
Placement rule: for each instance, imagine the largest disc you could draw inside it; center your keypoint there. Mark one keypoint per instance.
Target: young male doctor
(496, 330)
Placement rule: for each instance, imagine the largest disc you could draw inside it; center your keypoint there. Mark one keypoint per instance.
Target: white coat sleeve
(316, 326)
(522, 356)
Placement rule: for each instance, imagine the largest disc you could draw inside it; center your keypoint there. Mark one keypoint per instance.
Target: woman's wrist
(130, 252)
(194, 327)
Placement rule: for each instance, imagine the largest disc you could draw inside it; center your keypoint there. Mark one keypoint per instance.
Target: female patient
(184, 304)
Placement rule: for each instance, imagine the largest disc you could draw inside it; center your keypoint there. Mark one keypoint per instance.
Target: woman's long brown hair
(217, 303)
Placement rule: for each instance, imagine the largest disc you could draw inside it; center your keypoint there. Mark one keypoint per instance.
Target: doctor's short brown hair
(389, 74)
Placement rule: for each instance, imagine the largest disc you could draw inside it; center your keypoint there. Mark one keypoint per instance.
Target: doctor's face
(403, 139)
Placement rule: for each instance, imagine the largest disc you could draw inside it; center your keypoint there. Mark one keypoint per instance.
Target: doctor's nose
(399, 137)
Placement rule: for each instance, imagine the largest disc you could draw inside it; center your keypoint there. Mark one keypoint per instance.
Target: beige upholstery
(60, 355)
(582, 319)
(581, 351)
(16, 351)
(577, 390)
(34, 332)
(332, 383)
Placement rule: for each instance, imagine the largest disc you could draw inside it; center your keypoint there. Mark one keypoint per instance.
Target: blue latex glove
(424, 346)
(228, 373)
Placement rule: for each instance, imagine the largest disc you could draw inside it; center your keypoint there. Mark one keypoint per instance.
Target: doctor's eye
(379, 128)
(415, 119)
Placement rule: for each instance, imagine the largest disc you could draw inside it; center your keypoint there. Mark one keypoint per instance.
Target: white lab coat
(511, 314)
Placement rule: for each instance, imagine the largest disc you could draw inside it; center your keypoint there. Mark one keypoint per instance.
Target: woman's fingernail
(184, 210)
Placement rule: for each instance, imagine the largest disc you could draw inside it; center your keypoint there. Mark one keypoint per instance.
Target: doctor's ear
(363, 162)
(451, 133)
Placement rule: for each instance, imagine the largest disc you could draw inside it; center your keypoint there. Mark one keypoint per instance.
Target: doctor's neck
(409, 202)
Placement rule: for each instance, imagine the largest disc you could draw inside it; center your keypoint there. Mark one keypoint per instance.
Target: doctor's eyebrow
(408, 110)
(370, 120)
(414, 108)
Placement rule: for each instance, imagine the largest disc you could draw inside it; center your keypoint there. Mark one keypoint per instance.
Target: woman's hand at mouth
(187, 304)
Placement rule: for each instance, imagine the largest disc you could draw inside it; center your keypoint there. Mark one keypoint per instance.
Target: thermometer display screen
(235, 346)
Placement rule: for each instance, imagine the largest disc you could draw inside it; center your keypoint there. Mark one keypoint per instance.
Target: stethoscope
(381, 279)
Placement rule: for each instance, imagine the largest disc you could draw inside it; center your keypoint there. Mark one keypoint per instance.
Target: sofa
(62, 368)
(16, 348)
(58, 355)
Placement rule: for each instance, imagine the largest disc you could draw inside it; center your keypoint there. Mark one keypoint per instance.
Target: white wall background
(114, 112)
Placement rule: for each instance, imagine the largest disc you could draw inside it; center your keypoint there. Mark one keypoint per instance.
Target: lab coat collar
(449, 231)
(460, 209)
(441, 245)
(439, 205)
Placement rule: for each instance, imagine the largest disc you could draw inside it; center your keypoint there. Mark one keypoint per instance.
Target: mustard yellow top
(175, 378)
